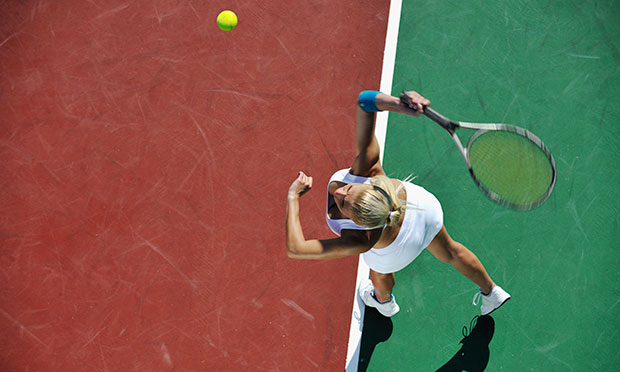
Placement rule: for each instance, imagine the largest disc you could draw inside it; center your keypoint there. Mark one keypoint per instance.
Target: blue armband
(368, 101)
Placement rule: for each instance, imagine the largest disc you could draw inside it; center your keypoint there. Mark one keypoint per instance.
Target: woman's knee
(449, 251)
(446, 249)
(456, 250)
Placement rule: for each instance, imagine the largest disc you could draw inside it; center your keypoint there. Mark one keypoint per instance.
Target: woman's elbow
(291, 251)
(302, 252)
(298, 256)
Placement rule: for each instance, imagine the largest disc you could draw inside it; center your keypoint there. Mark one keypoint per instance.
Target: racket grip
(439, 119)
(429, 112)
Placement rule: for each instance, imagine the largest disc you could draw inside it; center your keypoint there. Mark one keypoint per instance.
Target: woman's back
(419, 223)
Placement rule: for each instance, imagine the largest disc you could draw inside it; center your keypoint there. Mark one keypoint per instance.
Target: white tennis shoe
(367, 293)
(492, 301)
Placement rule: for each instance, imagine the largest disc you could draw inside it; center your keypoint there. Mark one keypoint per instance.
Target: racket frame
(480, 128)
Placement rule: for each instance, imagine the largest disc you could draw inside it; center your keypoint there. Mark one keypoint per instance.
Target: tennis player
(388, 221)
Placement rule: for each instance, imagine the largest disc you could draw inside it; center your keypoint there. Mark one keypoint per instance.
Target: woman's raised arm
(367, 162)
(349, 244)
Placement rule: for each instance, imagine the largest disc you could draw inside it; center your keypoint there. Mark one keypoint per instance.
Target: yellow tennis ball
(227, 20)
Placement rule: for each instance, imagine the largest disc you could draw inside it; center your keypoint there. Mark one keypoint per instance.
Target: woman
(389, 222)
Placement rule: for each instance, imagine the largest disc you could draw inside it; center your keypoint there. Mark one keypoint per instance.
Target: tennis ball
(227, 20)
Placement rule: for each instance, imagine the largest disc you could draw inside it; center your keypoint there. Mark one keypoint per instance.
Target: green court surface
(552, 67)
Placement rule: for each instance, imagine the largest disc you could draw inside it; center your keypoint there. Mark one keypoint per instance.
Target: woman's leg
(445, 249)
(383, 284)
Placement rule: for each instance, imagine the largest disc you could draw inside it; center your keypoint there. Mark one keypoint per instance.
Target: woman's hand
(417, 100)
(386, 102)
(300, 186)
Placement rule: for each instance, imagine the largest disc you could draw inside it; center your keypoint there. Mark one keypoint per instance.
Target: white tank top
(423, 220)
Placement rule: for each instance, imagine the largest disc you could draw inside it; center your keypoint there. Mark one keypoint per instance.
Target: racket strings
(511, 166)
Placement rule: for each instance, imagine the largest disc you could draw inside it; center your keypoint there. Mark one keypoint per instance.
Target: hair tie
(388, 217)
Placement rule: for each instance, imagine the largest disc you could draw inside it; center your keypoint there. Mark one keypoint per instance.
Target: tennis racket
(511, 165)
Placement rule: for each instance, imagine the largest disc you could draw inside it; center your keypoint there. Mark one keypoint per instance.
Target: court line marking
(387, 77)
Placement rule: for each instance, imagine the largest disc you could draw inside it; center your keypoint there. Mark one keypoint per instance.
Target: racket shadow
(377, 329)
(474, 354)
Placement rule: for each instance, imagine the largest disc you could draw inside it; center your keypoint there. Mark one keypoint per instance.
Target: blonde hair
(379, 206)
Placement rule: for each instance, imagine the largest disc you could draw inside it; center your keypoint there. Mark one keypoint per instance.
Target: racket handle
(446, 123)
(438, 118)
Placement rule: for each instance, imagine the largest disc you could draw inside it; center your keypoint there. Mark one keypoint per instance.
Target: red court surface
(146, 157)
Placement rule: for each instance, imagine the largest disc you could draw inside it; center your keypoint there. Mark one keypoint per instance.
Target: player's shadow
(377, 329)
(474, 354)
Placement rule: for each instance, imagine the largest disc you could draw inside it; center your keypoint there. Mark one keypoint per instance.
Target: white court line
(387, 75)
